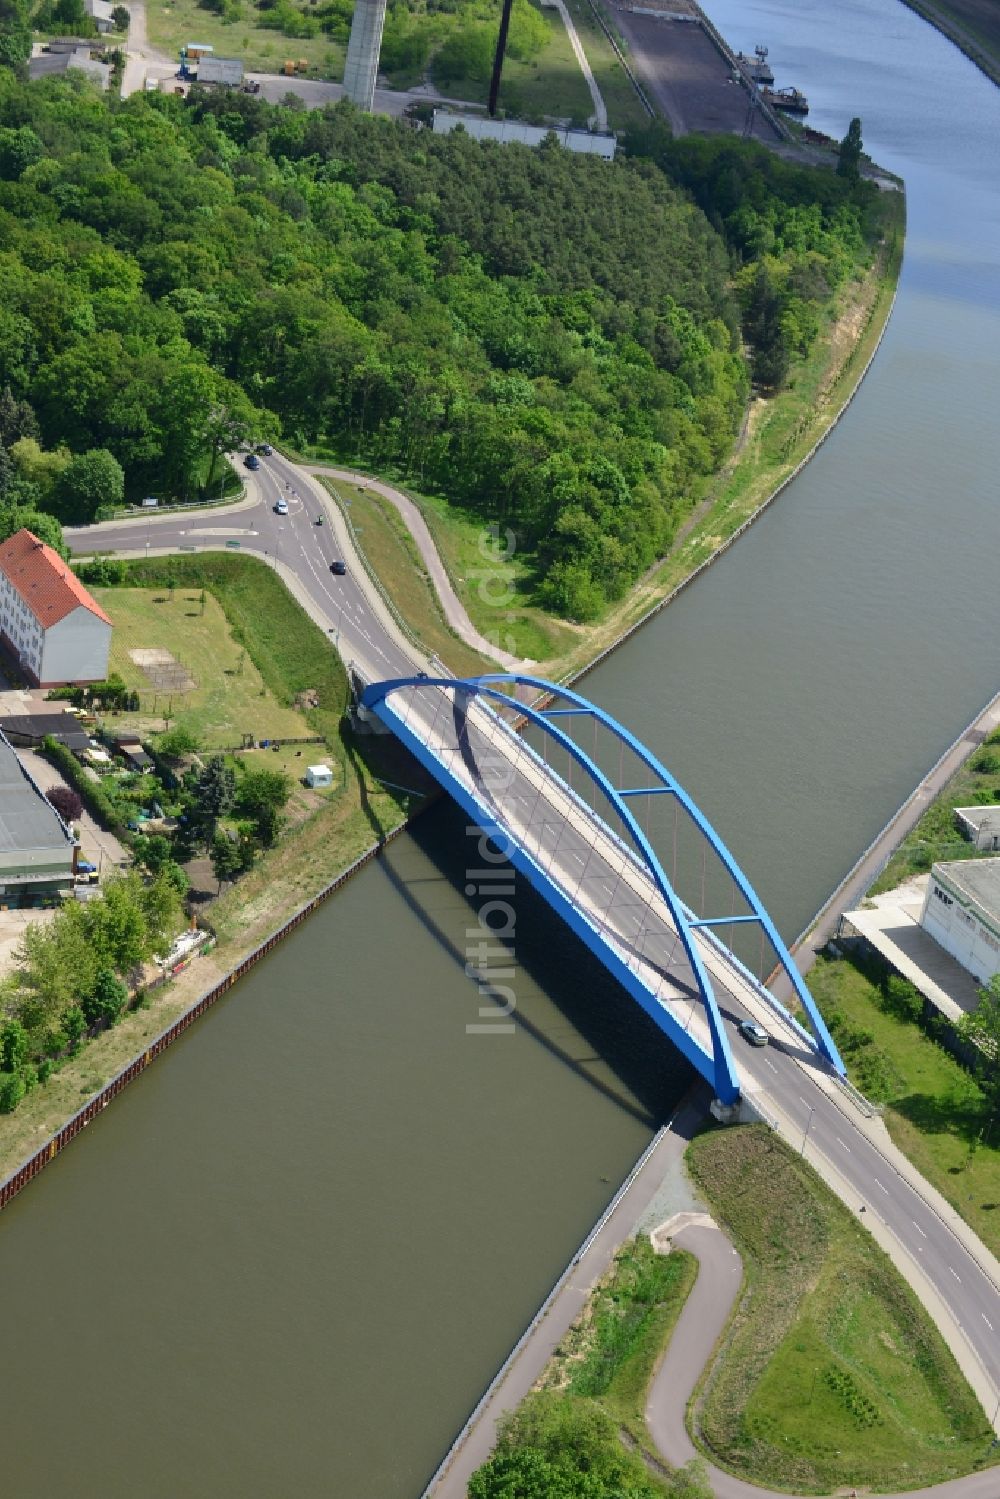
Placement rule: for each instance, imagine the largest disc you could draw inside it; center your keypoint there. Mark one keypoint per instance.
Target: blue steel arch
(725, 1077)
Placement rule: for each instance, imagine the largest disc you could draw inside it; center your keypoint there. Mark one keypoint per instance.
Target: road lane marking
(955, 1274)
(879, 1184)
(986, 1319)
(770, 1064)
(840, 1142)
(920, 1231)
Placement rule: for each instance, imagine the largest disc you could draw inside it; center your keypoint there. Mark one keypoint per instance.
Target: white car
(281, 507)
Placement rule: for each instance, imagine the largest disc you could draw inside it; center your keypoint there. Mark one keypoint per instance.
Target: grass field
(228, 698)
(936, 835)
(549, 86)
(488, 587)
(289, 653)
(935, 1110)
(831, 1374)
(173, 26)
(610, 1353)
(393, 556)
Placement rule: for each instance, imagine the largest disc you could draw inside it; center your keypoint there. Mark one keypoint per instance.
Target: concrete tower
(361, 67)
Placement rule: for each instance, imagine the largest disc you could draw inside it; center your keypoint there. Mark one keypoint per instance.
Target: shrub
(12, 1090)
(108, 1000)
(67, 802)
(93, 795)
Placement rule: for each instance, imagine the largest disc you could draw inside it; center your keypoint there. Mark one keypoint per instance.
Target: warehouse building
(37, 849)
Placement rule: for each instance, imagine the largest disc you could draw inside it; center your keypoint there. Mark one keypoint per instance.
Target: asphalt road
(938, 1256)
(787, 1077)
(292, 541)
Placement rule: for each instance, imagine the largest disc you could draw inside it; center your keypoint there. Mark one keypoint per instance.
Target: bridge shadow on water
(617, 1048)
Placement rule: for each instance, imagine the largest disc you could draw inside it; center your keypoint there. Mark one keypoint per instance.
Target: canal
(287, 1260)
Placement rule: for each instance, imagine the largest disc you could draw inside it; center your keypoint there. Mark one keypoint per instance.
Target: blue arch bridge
(585, 847)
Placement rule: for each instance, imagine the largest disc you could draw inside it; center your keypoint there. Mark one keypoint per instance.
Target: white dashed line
(986, 1319)
(955, 1274)
(881, 1188)
(770, 1064)
(840, 1142)
(920, 1231)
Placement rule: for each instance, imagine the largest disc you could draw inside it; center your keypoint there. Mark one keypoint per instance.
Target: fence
(96, 1105)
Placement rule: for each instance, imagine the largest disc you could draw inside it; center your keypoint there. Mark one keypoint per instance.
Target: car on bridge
(338, 567)
(281, 506)
(754, 1033)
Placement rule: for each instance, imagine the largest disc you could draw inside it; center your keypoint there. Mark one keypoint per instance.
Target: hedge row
(92, 793)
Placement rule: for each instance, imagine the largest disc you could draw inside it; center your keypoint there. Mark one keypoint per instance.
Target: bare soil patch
(164, 671)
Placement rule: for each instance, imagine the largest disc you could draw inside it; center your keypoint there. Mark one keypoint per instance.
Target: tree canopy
(549, 340)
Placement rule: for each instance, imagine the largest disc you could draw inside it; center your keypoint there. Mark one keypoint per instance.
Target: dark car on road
(266, 449)
(252, 461)
(338, 567)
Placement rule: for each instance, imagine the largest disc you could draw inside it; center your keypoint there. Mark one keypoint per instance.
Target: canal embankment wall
(57, 1142)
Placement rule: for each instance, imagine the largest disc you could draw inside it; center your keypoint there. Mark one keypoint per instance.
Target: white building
(225, 70)
(981, 825)
(99, 12)
(319, 775)
(961, 912)
(481, 128)
(48, 620)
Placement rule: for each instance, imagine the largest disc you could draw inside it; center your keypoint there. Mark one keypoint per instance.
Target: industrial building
(37, 849)
(981, 825)
(481, 128)
(225, 70)
(961, 912)
(48, 621)
(62, 60)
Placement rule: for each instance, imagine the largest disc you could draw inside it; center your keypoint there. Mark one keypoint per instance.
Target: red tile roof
(44, 581)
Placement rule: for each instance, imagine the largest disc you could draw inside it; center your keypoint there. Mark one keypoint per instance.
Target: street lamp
(806, 1135)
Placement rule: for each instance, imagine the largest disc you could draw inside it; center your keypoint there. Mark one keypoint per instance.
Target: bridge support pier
(738, 1112)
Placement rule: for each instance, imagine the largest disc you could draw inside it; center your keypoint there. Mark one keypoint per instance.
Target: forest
(550, 341)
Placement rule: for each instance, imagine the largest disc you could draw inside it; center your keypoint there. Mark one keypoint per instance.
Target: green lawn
(610, 1353)
(550, 86)
(290, 653)
(935, 1111)
(393, 556)
(832, 1374)
(493, 590)
(936, 835)
(228, 697)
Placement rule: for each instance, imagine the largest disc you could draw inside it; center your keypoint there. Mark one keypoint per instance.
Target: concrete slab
(892, 925)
